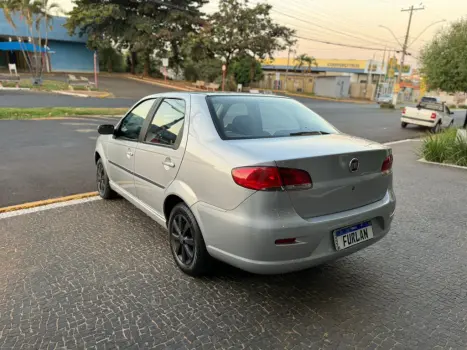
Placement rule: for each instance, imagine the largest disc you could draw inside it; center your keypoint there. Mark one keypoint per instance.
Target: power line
(377, 42)
(323, 27)
(340, 44)
(354, 24)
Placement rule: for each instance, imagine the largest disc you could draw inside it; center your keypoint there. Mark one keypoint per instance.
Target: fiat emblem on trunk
(354, 165)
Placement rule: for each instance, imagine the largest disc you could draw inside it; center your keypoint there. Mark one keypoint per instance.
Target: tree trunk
(133, 63)
(252, 70)
(109, 65)
(147, 63)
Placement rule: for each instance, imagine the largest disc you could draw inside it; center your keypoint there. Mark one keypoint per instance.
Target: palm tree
(301, 60)
(304, 60)
(310, 60)
(33, 13)
(46, 10)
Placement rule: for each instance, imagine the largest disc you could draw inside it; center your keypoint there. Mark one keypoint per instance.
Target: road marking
(401, 141)
(85, 130)
(47, 202)
(10, 214)
(423, 160)
(80, 124)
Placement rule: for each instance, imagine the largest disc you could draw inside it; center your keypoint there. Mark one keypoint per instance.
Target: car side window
(131, 125)
(166, 126)
(447, 110)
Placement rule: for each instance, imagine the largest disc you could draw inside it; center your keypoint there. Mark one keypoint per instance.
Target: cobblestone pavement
(100, 275)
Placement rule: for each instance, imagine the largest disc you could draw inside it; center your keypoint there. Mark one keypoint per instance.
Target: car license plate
(349, 236)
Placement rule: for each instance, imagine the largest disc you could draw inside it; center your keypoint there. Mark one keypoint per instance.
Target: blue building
(66, 53)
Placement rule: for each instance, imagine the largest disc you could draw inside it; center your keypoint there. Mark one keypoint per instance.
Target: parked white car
(429, 114)
(385, 98)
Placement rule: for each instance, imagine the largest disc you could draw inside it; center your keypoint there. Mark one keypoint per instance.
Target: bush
(445, 148)
(452, 106)
(463, 106)
(387, 105)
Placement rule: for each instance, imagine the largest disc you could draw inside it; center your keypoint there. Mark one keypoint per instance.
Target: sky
(355, 22)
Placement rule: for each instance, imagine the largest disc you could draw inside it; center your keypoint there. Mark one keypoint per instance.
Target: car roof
(203, 93)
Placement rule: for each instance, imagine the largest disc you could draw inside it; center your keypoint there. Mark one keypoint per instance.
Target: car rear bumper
(245, 237)
(416, 121)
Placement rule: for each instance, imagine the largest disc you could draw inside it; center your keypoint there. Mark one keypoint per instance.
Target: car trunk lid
(329, 159)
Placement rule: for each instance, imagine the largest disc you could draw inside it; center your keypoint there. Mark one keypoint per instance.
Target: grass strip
(50, 112)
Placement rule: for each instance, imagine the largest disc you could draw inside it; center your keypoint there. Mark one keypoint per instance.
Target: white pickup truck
(428, 114)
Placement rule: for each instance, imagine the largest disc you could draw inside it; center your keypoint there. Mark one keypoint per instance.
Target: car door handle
(129, 154)
(168, 163)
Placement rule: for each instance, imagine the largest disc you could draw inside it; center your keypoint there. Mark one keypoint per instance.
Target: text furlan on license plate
(349, 236)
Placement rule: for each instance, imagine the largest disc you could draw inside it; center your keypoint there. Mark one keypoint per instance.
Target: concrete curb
(77, 94)
(401, 141)
(14, 89)
(324, 98)
(152, 82)
(69, 93)
(423, 160)
(47, 202)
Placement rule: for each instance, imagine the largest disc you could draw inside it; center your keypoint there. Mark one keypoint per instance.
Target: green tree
(241, 70)
(443, 60)
(142, 27)
(236, 30)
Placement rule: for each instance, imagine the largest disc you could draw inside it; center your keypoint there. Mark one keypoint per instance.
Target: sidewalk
(101, 274)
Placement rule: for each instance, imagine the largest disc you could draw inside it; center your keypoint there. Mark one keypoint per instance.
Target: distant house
(66, 53)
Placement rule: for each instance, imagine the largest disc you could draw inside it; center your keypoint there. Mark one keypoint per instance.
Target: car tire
(187, 242)
(436, 129)
(403, 125)
(102, 181)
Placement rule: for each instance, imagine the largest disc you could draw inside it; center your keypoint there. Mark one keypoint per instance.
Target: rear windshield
(438, 107)
(238, 117)
(429, 99)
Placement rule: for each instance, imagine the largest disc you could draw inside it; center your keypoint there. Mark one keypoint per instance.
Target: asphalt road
(42, 159)
(100, 275)
(126, 92)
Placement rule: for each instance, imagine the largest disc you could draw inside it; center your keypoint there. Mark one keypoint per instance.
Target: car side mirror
(452, 113)
(106, 129)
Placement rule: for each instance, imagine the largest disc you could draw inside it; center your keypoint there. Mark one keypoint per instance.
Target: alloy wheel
(183, 242)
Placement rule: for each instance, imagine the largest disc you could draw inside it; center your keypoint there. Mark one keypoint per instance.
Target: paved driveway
(100, 275)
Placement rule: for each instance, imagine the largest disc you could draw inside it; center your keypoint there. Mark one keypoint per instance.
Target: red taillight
(295, 179)
(433, 115)
(403, 110)
(387, 164)
(271, 178)
(257, 178)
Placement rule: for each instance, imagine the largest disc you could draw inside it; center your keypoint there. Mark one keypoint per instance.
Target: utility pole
(378, 87)
(411, 9)
(370, 77)
(287, 69)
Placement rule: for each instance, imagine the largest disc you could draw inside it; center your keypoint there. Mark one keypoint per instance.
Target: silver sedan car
(259, 182)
